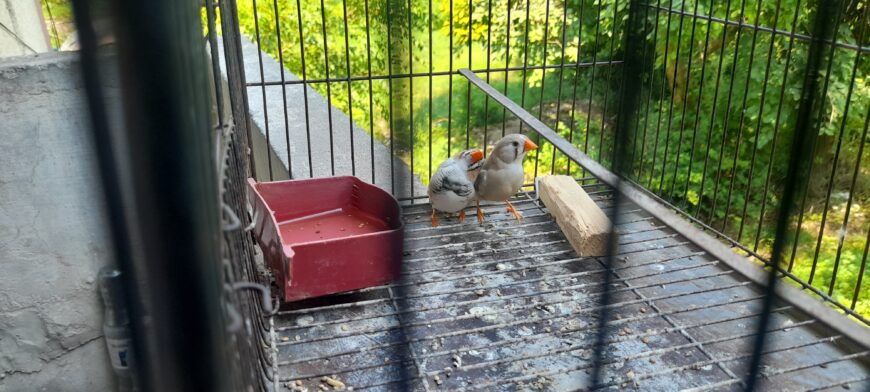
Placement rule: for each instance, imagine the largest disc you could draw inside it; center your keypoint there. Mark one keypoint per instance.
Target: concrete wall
(27, 34)
(53, 236)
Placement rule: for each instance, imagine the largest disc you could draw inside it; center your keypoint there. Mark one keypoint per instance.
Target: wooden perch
(583, 223)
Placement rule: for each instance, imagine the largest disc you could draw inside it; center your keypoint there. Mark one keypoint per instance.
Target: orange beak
(530, 145)
(476, 155)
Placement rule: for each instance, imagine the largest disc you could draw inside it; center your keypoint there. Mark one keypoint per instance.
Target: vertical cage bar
(468, 84)
(283, 88)
(812, 152)
(328, 86)
(607, 86)
(450, 83)
(574, 83)
(390, 97)
(215, 59)
(507, 63)
(632, 69)
(430, 89)
(263, 90)
(691, 56)
(525, 61)
(349, 88)
(543, 84)
(673, 98)
(371, 98)
(304, 89)
(805, 135)
(758, 125)
(776, 124)
(742, 113)
(561, 78)
(488, 72)
(713, 110)
(411, 96)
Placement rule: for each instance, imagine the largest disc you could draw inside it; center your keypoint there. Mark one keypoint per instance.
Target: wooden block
(583, 223)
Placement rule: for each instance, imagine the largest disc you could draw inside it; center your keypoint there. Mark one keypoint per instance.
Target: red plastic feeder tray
(327, 235)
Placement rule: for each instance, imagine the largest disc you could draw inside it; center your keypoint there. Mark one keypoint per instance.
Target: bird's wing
(479, 181)
(451, 179)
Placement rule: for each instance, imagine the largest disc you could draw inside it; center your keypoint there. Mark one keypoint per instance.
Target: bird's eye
(516, 144)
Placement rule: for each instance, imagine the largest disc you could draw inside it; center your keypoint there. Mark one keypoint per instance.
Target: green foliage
(58, 20)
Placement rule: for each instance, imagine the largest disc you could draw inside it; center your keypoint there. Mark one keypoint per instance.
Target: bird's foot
(514, 212)
(480, 216)
(434, 218)
(461, 216)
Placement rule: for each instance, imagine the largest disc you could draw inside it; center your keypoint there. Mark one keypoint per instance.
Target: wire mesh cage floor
(508, 306)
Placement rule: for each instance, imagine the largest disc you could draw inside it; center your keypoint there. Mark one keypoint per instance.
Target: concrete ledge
(294, 130)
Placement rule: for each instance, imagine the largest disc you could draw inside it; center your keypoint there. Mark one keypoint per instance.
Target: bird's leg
(513, 211)
(434, 218)
(479, 213)
(461, 216)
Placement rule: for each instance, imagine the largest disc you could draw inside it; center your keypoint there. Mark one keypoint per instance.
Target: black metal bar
(662, 90)
(638, 172)
(727, 118)
(673, 94)
(283, 89)
(790, 34)
(263, 90)
(775, 131)
(411, 96)
(238, 93)
(561, 78)
(805, 134)
(110, 177)
(713, 111)
(649, 100)
(852, 189)
(430, 89)
(507, 62)
(215, 59)
(691, 56)
(758, 124)
(812, 153)
(698, 109)
(834, 170)
(349, 90)
(304, 89)
(613, 34)
(390, 94)
(371, 98)
(450, 84)
(405, 75)
(571, 125)
(468, 85)
(543, 83)
(525, 60)
(733, 174)
(861, 272)
(592, 88)
(158, 166)
(629, 99)
(488, 68)
(328, 86)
